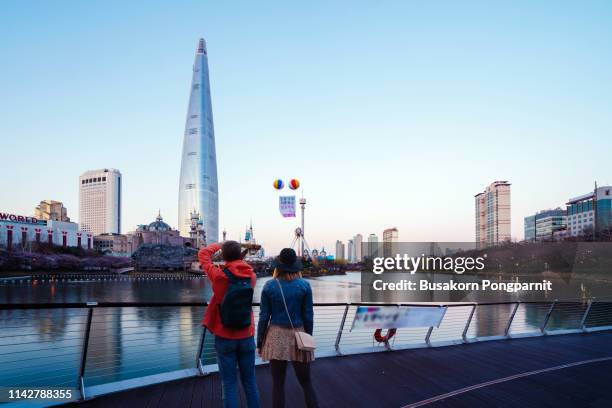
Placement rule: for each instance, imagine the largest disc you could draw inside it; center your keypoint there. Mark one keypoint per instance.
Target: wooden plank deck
(399, 378)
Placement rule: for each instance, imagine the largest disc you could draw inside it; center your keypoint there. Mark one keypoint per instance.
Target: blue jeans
(241, 353)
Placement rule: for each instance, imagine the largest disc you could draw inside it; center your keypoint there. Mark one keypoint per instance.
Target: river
(43, 347)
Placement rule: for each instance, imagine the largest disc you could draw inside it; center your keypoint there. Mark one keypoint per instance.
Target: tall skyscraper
(340, 250)
(100, 201)
(492, 214)
(350, 251)
(390, 236)
(358, 247)
(372, 248)
(198, 191)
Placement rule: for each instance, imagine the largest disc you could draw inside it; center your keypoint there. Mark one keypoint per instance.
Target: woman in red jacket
(234, 346)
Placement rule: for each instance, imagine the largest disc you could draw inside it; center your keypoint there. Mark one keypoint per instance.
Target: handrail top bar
(90, 304)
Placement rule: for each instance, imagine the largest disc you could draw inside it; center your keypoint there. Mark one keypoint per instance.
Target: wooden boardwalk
(401, 378)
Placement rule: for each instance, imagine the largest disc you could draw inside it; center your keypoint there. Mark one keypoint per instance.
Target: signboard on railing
(394, 317)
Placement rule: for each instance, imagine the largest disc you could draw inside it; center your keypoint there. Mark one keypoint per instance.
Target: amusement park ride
(312, 265)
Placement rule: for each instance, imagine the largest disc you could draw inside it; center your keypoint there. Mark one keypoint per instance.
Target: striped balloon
(278, 184)
(294, 184)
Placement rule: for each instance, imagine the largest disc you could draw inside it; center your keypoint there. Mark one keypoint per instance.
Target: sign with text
(393, 317)
(286, 205)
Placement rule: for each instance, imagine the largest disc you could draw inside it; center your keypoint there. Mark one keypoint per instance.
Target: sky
(391, 113)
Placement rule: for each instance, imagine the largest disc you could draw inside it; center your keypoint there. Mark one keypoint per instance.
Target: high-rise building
(51, 210)
(493, 214)
(350, 251)
(529, 226)
(100, 201)
(358, 247)
(543, 225)
(340, 250)
(590, 213)
(390, 237)
(372, 248)
(198, 190)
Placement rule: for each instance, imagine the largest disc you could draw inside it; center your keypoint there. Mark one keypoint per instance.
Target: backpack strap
(232, 278)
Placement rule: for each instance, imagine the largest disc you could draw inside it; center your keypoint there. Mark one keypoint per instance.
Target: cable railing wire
(114, 338)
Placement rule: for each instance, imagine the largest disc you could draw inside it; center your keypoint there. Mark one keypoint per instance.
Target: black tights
(302, 372)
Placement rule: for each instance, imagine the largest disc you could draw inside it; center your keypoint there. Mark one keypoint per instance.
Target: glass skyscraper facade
(591, 211)
(198, 189)
(543, 225)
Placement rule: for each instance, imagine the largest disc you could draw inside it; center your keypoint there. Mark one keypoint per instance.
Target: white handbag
(304, 341)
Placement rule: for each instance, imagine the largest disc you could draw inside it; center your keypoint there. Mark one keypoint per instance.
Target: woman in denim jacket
(275, 336)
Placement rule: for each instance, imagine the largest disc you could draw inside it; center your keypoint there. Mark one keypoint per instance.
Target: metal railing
(97, 348)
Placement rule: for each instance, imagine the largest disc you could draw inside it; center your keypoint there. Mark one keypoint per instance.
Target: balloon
(294, 184)
(278, 184)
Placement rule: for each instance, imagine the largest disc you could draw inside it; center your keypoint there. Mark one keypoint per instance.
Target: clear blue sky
(390, 113)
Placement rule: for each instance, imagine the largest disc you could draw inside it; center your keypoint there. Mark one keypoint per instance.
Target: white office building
(372, 248)
(100, 201)
(390, 237)
(340, 250)
(350, 251)
(492, 213)
(589, 213)
(358, 245)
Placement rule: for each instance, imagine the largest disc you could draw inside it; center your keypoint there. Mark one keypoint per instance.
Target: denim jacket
(298, 296)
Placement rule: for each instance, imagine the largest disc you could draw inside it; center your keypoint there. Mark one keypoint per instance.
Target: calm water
(329, 289)
(43, 347)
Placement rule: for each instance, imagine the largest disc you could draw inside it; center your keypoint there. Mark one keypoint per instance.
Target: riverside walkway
(566, 370)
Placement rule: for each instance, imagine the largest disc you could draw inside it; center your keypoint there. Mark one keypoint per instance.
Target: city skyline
(455, 97)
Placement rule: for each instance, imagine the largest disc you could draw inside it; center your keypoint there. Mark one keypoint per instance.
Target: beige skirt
(280, 344)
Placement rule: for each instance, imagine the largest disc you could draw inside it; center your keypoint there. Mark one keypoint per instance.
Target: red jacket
(219, 282)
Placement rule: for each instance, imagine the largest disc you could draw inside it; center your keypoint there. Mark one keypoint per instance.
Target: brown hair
(280, 274)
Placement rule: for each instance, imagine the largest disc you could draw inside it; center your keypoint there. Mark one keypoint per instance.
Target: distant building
(197, 234)
(529, 226)
(543, 225)
(591, 212)
(390, 237)
(22, 231)
(51, 210)
(100, 201)
(340, 250)
(372, 247)
(560, 234)
(112, 244)
(492, 213)
(358, 247)
(157, 233)
(350, 251)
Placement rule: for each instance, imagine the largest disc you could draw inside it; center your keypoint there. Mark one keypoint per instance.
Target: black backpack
(235, 308)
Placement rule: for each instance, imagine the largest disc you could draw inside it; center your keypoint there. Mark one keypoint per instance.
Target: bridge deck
(400, 378)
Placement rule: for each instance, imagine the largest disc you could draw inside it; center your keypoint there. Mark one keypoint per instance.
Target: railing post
(341, 329)
(516, 306)
(199, 365)
(552, 306)
(84, 350)
(467, 324)
(428, 336)
(586, 314)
